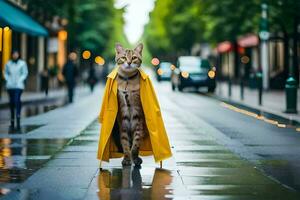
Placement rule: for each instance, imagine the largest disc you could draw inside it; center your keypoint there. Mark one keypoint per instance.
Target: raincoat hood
(156, 143)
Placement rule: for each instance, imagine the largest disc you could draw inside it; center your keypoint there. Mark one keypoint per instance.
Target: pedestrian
(45, 81)
(15, 74)
(70, 72)
(92, 79)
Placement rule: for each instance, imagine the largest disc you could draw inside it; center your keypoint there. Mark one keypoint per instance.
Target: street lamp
(264, 36)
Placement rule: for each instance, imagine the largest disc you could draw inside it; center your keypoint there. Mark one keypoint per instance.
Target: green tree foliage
(117, 33)
(156, 34)
(227, 20)
(92, 24)
(283, 15)
(45, 10)
(173, 27)
(176, 25)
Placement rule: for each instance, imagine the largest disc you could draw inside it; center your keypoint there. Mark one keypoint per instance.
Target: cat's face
(127, 59)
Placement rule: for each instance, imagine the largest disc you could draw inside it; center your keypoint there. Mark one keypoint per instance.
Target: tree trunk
(236, 60)
(286, 58)
(295, 66)
(286, 55)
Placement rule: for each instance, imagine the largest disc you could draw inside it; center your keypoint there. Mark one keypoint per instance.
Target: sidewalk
(273, 101)
(30, 97)
(22, 155)
(37, 97)
(35, 103)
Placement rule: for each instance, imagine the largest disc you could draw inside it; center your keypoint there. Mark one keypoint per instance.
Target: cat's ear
(119, 48)
(139, 48)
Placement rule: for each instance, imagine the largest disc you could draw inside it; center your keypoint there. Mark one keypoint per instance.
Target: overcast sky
(136, 16)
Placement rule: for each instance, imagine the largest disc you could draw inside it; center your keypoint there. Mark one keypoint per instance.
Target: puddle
(20, 194)
(4, 129)
(202, 151)
(4, 191)
(131, 183)
(274, 163)
(30, 110)
(20, 158)
(83, 142)
(217, 163)
(35, 110)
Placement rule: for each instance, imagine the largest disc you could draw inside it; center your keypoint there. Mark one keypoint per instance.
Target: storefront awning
(19, 21)
(224, 47)
(250, 40)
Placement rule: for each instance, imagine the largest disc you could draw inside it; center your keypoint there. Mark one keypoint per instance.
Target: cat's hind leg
(125, 141)
(137, 139)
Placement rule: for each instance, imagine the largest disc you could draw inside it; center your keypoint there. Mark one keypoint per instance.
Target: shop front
(21, 32)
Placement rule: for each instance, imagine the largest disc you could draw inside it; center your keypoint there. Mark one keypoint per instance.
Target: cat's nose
(129, 62)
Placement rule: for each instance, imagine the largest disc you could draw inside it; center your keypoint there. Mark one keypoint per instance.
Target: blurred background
(253, 44)
(226, 74)
(210, 29)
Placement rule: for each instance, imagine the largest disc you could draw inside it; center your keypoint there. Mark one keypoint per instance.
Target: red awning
(250, 40)
(224, 47)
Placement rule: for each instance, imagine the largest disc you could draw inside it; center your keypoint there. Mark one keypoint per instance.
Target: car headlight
(185, 74)
(211, 74)
(172, 67)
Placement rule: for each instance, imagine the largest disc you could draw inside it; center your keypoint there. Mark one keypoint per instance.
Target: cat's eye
(134, 57)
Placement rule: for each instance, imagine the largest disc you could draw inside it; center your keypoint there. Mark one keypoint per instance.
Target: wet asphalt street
(219, 152)
(270, 143)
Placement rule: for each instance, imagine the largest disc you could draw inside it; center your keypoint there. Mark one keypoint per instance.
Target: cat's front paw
(126, 162)
(137, 161)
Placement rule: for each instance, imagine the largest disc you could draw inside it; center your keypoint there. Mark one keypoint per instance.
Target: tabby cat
(130, 117)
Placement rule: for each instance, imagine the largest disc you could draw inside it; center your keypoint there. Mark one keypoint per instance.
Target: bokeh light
(99, 60)
(160, 71)
(245, 59)
(86, 54)
(211, 74)
(155, 61)
(73, 56)
(172, 67)
(185, 74)
(62, 35)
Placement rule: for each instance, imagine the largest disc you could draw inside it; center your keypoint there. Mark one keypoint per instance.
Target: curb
(33, 101)
(259, 110)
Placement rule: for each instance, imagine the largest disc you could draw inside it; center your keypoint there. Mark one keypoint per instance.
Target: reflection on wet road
(127, 183)
(4, 129)
(20, 158)
(209, 144)
(32, 109)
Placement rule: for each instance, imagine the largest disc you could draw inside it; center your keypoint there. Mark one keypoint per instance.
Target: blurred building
(42, 48)
(21, 32)
(241, 59)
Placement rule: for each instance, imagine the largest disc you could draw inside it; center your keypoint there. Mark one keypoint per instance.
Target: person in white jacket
(15, 74)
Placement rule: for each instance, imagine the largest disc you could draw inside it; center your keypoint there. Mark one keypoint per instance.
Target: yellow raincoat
(156, 144)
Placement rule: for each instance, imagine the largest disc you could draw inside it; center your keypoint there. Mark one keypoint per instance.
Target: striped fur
(130, 117)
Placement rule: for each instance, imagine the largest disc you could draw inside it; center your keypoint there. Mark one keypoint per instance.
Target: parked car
(195, 72)
(163, 71)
